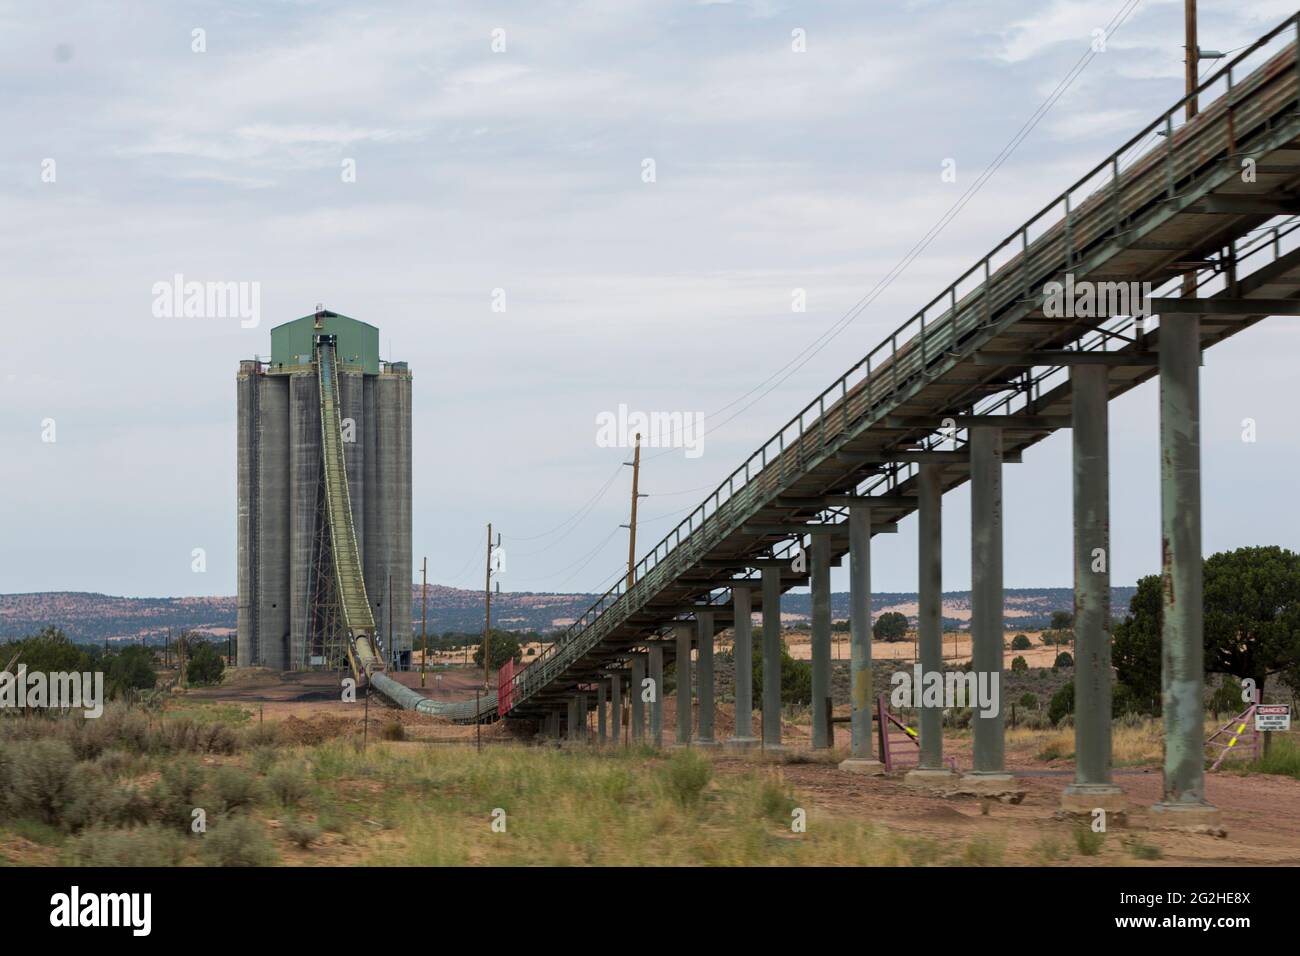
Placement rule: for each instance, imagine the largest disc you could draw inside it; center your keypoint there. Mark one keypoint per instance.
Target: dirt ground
(1260, 813)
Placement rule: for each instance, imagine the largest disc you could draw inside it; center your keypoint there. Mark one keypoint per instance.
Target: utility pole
(424, 600)
(1193, 55)
(487, 607)
(631, 526)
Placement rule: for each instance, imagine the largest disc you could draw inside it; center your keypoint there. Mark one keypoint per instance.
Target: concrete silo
(286, 620)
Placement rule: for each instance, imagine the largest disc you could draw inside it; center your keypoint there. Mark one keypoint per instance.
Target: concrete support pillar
(682, 630)
(572, 703)
(616, 708)
(772, 658)
(601, 733)
(861, 759)
(988, 772)
(583, 735)
(1093, 786)
(656, 656)
(1182, 676)
(704, 678)
(637, 701)
(742, 654)
(930, 770)
(821, 641)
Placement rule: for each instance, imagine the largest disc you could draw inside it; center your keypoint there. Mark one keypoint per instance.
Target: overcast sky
(522, 170)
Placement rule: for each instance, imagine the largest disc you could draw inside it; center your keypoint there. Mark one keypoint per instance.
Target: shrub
(1227, 698)
(151, 845)
(1124, 702)
(98, 800)
(1062, 703)
(175, 795)
(41, 779)
(775, 800)
(303, 833)
(288, 784)
(1029, 701)
(1019, 665)
(688, 774)
(262, 735)
(1063, 659)
(1049, 849)
(234, 788)
(1088, 842)
(796, 677)
(238, 841)
(1144, 851)
(1020, 643)
(983, 850)
(392, 730)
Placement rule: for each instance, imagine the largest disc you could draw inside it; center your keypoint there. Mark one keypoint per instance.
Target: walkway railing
(1086, 224)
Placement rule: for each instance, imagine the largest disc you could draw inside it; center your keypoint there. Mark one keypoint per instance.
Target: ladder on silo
(358, 621)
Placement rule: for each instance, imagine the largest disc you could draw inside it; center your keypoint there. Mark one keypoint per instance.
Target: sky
(551, 210)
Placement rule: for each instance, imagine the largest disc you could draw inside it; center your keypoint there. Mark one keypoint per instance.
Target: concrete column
(601, 733)
(930, 769)
(572, 716)
(634, 694)
(742, 653)
(1182, 677)
(656, 656)
(704, 678)
(616, 708)
(1093, 786)
(772, 659)
(682, 629)
(582, 719)
(861, 759)
(821, 641)
(987, 630)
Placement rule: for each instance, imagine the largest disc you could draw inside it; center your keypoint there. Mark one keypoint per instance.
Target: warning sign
(1273, 717)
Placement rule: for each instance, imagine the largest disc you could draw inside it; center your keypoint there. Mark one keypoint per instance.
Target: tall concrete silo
(285, 566)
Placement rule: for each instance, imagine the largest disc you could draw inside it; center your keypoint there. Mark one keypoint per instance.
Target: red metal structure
(505, 688)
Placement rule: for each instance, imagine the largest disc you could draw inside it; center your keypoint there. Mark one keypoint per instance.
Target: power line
(591, 503)
(803, 357)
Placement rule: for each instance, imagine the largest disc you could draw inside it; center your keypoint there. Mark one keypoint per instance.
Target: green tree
(131, 668)
(1062, 621)
(1020, 643)
(1019, 665)
(205, 667)
(1063, 659)
(1252, 620)
(890, 626)
(505, 647)
(49, 650)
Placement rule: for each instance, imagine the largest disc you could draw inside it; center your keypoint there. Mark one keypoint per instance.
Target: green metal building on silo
(286, 620)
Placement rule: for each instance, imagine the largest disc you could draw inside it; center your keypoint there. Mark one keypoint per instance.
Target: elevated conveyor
(1200, 197)
(362, 647)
